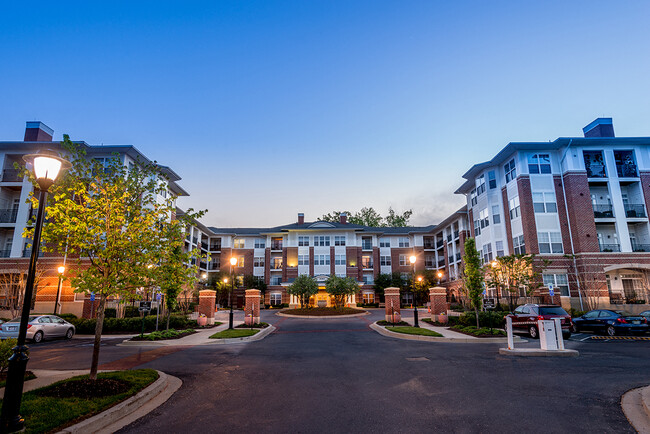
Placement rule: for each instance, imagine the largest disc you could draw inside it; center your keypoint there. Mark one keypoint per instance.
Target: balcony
(449, 238)
(641, 247)
(215, 247)
(439, 243)
(27, 252)
(5, 253)
(195, 240)
(276, 246)
(456, 234)
(458, 256)
(214, 266)
(451, 259)
(441, 263)
(368, 265)
(366, 246)
(204, 245)
(634, 210)
(203, 266)
(610, 247)
(11, 175)
(8, 215)
(276, 265)
(626, 170)
(603, 211)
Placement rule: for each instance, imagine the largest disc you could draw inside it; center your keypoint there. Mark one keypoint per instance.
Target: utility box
(547, 335)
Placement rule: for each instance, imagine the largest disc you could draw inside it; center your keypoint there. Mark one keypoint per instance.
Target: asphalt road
(340, 376)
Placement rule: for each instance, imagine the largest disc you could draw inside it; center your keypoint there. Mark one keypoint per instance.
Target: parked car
(39, 327)
(611, 322)
(525, 317)
(646, 314)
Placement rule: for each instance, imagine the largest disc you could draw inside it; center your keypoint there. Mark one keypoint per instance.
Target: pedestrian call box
(145, 306)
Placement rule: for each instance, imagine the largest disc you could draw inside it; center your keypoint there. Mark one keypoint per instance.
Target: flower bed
(388, 323)
(323, 311)
(260, 325)
(479, 333)
(164, 335)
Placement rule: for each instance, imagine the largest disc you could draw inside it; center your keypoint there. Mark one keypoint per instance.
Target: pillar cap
(437, 290)
(252, 293)
(207, 293)
(391, 291)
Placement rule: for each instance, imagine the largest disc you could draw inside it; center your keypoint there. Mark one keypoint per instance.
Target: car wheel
(610, 330)
(38, 337)
(532, 331)
(69, 334)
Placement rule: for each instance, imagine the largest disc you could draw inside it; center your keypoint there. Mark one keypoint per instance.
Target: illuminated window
(239, 243)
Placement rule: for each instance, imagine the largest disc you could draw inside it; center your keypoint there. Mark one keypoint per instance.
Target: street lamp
(415, 304)
(46, 166)
(233, 262)
(61, 270)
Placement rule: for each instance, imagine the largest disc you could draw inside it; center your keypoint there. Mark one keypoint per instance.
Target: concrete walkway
(636, 406)
(45, 377)
(444, 331)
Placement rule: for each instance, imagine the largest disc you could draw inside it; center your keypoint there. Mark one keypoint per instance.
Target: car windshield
(31, 318)
(552, 310)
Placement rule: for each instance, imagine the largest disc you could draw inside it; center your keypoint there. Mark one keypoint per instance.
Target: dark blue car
(610, 322)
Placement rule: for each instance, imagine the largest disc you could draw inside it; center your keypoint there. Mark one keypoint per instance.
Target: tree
(340, 288)
(12, 289)
(514, 273)
(216, 282)
(255, 282)
(110, 215)
(303, 287)
(473, 276)
(397, 220)
(369, 217)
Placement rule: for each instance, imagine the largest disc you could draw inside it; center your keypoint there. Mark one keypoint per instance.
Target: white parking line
(584, 339)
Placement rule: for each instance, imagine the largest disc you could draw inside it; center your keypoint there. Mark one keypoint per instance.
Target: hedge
(131, 325)
(486, 319)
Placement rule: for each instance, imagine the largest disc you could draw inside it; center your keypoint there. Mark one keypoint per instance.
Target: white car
(39, 327)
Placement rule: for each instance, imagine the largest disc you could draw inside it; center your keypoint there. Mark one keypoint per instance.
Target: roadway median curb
(352, 315)
(256, 337)
(131, 409)
(537, 352)
(636, 407)
(470, 340)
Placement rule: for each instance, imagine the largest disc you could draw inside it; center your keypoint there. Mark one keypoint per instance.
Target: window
(322, 240)
(492, 179)
(368, 279)
(518, 245)
(404, 260)
(260, 243)
(366, 261)
(539, 163)
(550, 242)
(403, 242)
(276, 297)
(339, 240)
(510, 170)
(239, 281)
(544, 203)
(594, 164)
(321, 259)
(487, 253)
(514, 207)
(339, 259)
(384, 242)
(429, 261)
(384, 260)
(496, 215)
(276, 263)
(560, 283)
(240, 261)
(258, 261)
(484, 218)
(303, 259)
(625, 164)
(477, 227)
(239, 243)
(499, 247)
(474, 197)
(368, 297)
(276, 280)
(366, 243)
(303, 241)
(480, 185)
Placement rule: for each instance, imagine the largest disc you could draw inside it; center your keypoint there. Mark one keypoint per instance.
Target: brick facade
(527, 214)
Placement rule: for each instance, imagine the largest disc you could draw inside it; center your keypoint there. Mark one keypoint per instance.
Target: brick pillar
(438, 304)
(90, 307)
(391, 296)
(252, 308)
(207, 304)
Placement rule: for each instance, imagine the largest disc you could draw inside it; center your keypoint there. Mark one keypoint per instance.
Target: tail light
(645, 321)
(29, 325)
(540, 318)
(621, 321)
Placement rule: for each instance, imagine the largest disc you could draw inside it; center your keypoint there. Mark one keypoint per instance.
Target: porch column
(252, 308)
(207, 303)
(438, 304)
(391, 295)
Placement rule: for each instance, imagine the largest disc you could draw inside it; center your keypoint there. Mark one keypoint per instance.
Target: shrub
(130, 325)
(575, 313)
(131, 311)
(110, 312)
(493, 319)
(67, 316)
(6, 352)
(383, 322)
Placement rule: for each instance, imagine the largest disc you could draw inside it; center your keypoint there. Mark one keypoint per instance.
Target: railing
(11, 175)
(451, 259)
(429, 246)
(203, 265)
(610, 248)
(441, 263)
(366, 246)
(276, 265)
(5, 253)
(204, 245)
(596, 170)
(28, 252)
(634, 210)
(368, 265)
(440, 243)
(449, 238)
(276, 246)
(215, 247)
(641, 247)
(456, 234)
(626, 170)
(603, 211)
(8, 215)
(194, 240)
(458, 256)
(214, 265)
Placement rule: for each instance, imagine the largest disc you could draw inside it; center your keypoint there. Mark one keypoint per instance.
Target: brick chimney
(601, 127)
(343, 218)
(37, 131)
(301, 218)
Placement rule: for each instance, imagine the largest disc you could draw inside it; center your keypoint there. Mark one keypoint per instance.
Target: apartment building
(579, 202)
(15, 212)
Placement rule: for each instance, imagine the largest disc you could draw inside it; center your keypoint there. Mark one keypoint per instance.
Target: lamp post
(415, 304)
(61, 270)
(233, 262)
(46, 166)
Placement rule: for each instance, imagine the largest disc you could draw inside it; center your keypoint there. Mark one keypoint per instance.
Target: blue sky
(267, 108)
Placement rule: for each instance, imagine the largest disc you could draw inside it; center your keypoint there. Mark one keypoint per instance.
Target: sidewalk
(442, 330)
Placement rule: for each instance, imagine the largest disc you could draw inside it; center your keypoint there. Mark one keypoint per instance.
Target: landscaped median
(408, 330)
(322, 312)
(240, 331)
(430, 333)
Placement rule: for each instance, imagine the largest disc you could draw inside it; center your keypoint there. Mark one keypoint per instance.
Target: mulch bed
(322, 311)
(391, 324)
(488, 335)
(254, 326)
(87, 389)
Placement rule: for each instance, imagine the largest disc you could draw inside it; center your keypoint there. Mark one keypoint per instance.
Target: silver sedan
(39, 327)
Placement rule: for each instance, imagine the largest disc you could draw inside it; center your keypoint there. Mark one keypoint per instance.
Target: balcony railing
(276, 265)
(441, 263)
(627, 170)
(603, 211)
(366, 246)
(203, 265)
(8, 215)
(276, 246)
(440, 243)
(458, 256)
(610, 248)
(368, 265)
(5, 253)
(634, 210)
(456, 234)
(641, 247)
(215, 247)
(204, 245)
(194, 240)
(28, 252)
(429, 246)
(11, 175)
(214, 266)
(596, 170)
(449, 238)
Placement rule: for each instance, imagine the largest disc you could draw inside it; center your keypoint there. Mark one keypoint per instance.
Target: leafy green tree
(397, 220)
(217, 282)
(340, 288)
(367, 216)
(110, 215)
(303, 287)
(515, 273)
(473, 276)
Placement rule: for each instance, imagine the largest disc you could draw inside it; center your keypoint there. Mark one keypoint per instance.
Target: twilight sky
(270, 108)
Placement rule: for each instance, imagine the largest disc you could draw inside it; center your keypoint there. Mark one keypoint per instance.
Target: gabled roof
(322, 226)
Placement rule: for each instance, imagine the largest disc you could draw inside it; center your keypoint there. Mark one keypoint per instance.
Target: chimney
(301, 218)
(37, 131)
(343, 218)
(601, 127)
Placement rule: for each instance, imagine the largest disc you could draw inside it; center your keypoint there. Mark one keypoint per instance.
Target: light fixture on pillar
(233, 262)
(45, 166)
(412, 259)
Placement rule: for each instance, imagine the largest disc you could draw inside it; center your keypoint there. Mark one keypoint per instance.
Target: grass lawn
(323, 311)
(49, 413)
(234, 333)
(29, 375)
(414, 331)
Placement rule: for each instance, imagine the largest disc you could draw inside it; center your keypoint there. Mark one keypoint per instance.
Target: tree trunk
(169, 313)
(476, 313)
(98, 337)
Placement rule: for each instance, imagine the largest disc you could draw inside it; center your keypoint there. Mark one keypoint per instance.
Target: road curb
(538, 352)
(256, 337)
(129, 410)
(352, 315)
(382, 331)
(636, 407)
